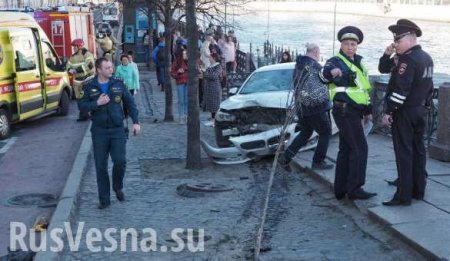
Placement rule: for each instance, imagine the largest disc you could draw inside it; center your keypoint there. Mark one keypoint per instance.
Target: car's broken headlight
(224, 116)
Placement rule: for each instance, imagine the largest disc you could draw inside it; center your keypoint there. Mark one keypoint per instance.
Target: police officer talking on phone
(409, 93)
(105, 97)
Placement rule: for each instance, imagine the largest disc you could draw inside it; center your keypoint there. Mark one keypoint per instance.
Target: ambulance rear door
(28, 83)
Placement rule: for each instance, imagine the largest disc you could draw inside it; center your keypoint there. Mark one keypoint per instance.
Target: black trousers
(408, 128)
(321, 124)
(351, 163)
(109, 142)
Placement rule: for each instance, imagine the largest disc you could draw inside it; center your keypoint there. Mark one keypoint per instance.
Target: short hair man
(312, 117)
(106, 97)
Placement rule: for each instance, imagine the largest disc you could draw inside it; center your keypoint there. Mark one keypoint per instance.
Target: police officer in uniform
(409, 93)
(81, 66)
(349, 91)
(106, 97)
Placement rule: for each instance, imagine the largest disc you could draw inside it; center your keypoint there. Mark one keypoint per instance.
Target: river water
(294, 30)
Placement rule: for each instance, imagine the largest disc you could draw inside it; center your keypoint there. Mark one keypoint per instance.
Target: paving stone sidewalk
(425, 225)
(156, 169)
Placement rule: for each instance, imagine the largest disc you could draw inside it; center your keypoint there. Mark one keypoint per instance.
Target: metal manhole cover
(200, 189)
(32, 200)
(208, 187)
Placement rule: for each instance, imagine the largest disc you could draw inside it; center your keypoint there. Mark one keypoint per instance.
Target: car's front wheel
(5, 124)
(64, 104)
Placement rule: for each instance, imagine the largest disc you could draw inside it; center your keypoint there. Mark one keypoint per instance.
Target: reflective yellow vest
(359, 93)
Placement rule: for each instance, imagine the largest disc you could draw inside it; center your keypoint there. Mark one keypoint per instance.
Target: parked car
(248, 124)
(33, 80)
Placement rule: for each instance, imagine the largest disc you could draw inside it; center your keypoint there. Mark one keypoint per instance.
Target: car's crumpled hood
(276, 99)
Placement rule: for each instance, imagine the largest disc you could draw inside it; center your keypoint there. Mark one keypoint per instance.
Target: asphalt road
(37, 158)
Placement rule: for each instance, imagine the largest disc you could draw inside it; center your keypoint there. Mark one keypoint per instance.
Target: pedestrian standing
(179, 72)
(205, 52)
(229, 53)
(313, 114)
(212, 92)
(286, 57)
(137, 85)
(160, 60)
(146, 45)
(127, 73)
(349, 90)
(106, 97)
(410, 92)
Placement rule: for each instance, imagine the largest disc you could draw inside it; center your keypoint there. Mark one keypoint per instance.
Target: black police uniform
(108, 134)
(351, 161)
(410, 88)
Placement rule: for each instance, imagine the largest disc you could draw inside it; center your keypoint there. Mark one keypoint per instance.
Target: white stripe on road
(8, 144)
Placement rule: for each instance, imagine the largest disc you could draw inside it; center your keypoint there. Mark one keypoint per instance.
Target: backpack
(160, 56)
(310, 90)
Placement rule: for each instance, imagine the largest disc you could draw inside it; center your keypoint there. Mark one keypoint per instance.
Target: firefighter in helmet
(81, 66)
(107, 44)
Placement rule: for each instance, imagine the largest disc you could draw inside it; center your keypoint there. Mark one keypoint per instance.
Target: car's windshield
(268, 81)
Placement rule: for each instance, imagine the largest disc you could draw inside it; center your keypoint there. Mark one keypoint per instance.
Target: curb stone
(411, 242)
(69, 196)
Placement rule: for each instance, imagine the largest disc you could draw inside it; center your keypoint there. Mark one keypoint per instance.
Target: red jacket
(180, 78)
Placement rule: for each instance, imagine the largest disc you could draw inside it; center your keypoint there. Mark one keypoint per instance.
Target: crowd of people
(217, 58)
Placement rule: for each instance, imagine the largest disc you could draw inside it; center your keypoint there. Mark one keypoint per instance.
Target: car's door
(28, 85)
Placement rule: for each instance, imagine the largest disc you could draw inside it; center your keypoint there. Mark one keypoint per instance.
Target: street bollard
(440, 148)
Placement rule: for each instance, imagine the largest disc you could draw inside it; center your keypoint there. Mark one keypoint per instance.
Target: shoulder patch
(88, 80)
(402, 68)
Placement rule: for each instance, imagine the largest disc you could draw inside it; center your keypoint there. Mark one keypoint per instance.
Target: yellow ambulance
(33, 80)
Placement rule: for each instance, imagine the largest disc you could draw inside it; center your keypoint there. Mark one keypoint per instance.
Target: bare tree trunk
(151, 12)
(168, 115)
(193, 160)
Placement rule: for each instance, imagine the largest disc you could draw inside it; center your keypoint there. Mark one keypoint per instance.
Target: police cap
(404, 27)
(350, 33)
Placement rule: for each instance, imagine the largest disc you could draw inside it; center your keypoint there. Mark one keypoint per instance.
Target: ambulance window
(25, 52)
(51, 61)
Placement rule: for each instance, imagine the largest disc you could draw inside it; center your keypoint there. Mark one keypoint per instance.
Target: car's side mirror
(233, 91)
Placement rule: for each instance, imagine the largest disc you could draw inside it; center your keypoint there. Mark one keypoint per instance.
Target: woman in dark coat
(212, 91)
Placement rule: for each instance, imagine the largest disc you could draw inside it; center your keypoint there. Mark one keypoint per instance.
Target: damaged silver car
(248, 124)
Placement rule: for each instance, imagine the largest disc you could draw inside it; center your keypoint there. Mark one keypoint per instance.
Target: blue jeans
(182, 91)
(160, 74)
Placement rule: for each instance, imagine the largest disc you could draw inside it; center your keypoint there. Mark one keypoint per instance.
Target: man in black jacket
(311, 118)
(409, 91)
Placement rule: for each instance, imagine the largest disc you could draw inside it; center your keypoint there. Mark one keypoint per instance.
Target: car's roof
(278, 66)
